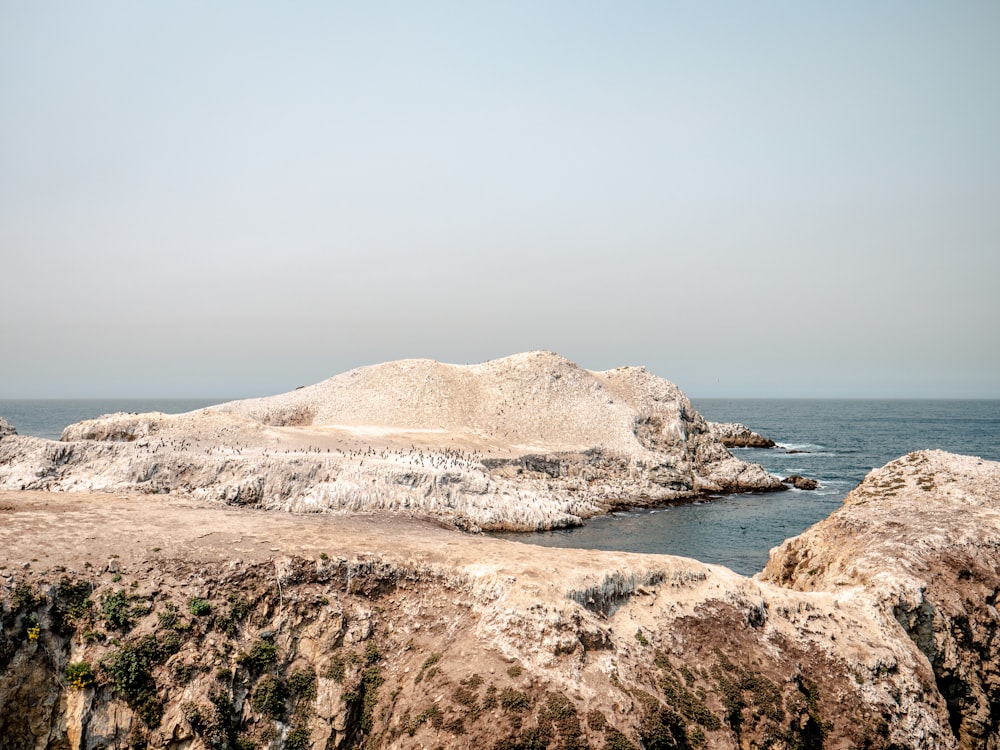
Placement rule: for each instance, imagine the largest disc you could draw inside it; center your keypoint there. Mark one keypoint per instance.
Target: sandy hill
(536, 399)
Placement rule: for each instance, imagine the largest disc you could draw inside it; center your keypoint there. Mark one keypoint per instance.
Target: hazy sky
(752, 199)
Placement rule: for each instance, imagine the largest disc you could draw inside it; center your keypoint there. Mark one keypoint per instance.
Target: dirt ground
(488, 614)
(42, 530)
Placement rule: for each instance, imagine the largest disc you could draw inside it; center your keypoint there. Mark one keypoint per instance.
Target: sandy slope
(536, 401)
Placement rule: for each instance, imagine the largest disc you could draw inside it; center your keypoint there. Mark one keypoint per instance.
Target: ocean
(47, 417)
(842, 441)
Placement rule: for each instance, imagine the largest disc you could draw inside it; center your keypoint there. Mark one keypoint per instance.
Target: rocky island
(527, 442)
(167, 614)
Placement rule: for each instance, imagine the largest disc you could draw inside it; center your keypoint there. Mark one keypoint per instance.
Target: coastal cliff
(921, 536)
(531, 441)
(163, 604)
(166, 622)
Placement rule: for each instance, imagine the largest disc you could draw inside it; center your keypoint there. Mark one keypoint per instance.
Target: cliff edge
(921, 537)
(165, 622)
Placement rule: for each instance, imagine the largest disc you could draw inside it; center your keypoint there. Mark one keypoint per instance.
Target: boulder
(800, 482)
(736, 435)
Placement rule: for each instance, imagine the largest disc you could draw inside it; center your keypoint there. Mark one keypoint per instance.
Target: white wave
(811, 448)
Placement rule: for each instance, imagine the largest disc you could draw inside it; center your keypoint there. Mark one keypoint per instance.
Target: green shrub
(227, 625)
(199, 607)
(371, 681)
(298, 739)
(184, 672)
(431, 713)
(168, 616)
(72, 605)
(269, 697)
(490, 698)
(514, 700)
(335, 671)
(302, 684)
(429, 662)
(240, 608)
(79, 674)
(116, 610)
(170, 643)
(260, 656)
(94, 636)
(130, 671)
(615, 740)
(22, 597)
(195, 716)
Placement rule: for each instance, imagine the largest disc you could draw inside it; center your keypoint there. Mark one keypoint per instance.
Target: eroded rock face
(921, 535)
(6, 428)
(241, 628)
(528, 442)
(218, 627)
(736, 435)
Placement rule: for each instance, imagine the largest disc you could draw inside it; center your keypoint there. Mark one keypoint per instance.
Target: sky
(752, 199)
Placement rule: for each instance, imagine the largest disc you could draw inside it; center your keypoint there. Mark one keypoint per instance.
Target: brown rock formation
(920, 536)
(160, 622)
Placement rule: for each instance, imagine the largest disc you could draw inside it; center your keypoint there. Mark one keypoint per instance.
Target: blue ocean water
(842, 439)
(47, 417)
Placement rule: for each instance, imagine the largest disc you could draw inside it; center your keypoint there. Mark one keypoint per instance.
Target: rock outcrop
(197, 626)
(6, 428)
(162, 622)
(527, 442)
(800, 482)
(736, 435)
(921, 536)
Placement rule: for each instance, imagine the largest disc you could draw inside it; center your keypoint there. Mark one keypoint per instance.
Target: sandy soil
(79, 528)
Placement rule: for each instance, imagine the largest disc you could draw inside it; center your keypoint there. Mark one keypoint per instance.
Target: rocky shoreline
(151, 597)
(155, 621)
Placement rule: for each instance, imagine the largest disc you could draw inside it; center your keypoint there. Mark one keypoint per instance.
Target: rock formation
(736, 435)
(163, 622)
(920, 537)
(6, 428)
(800, 482)
(197, 626)
(526, 442)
